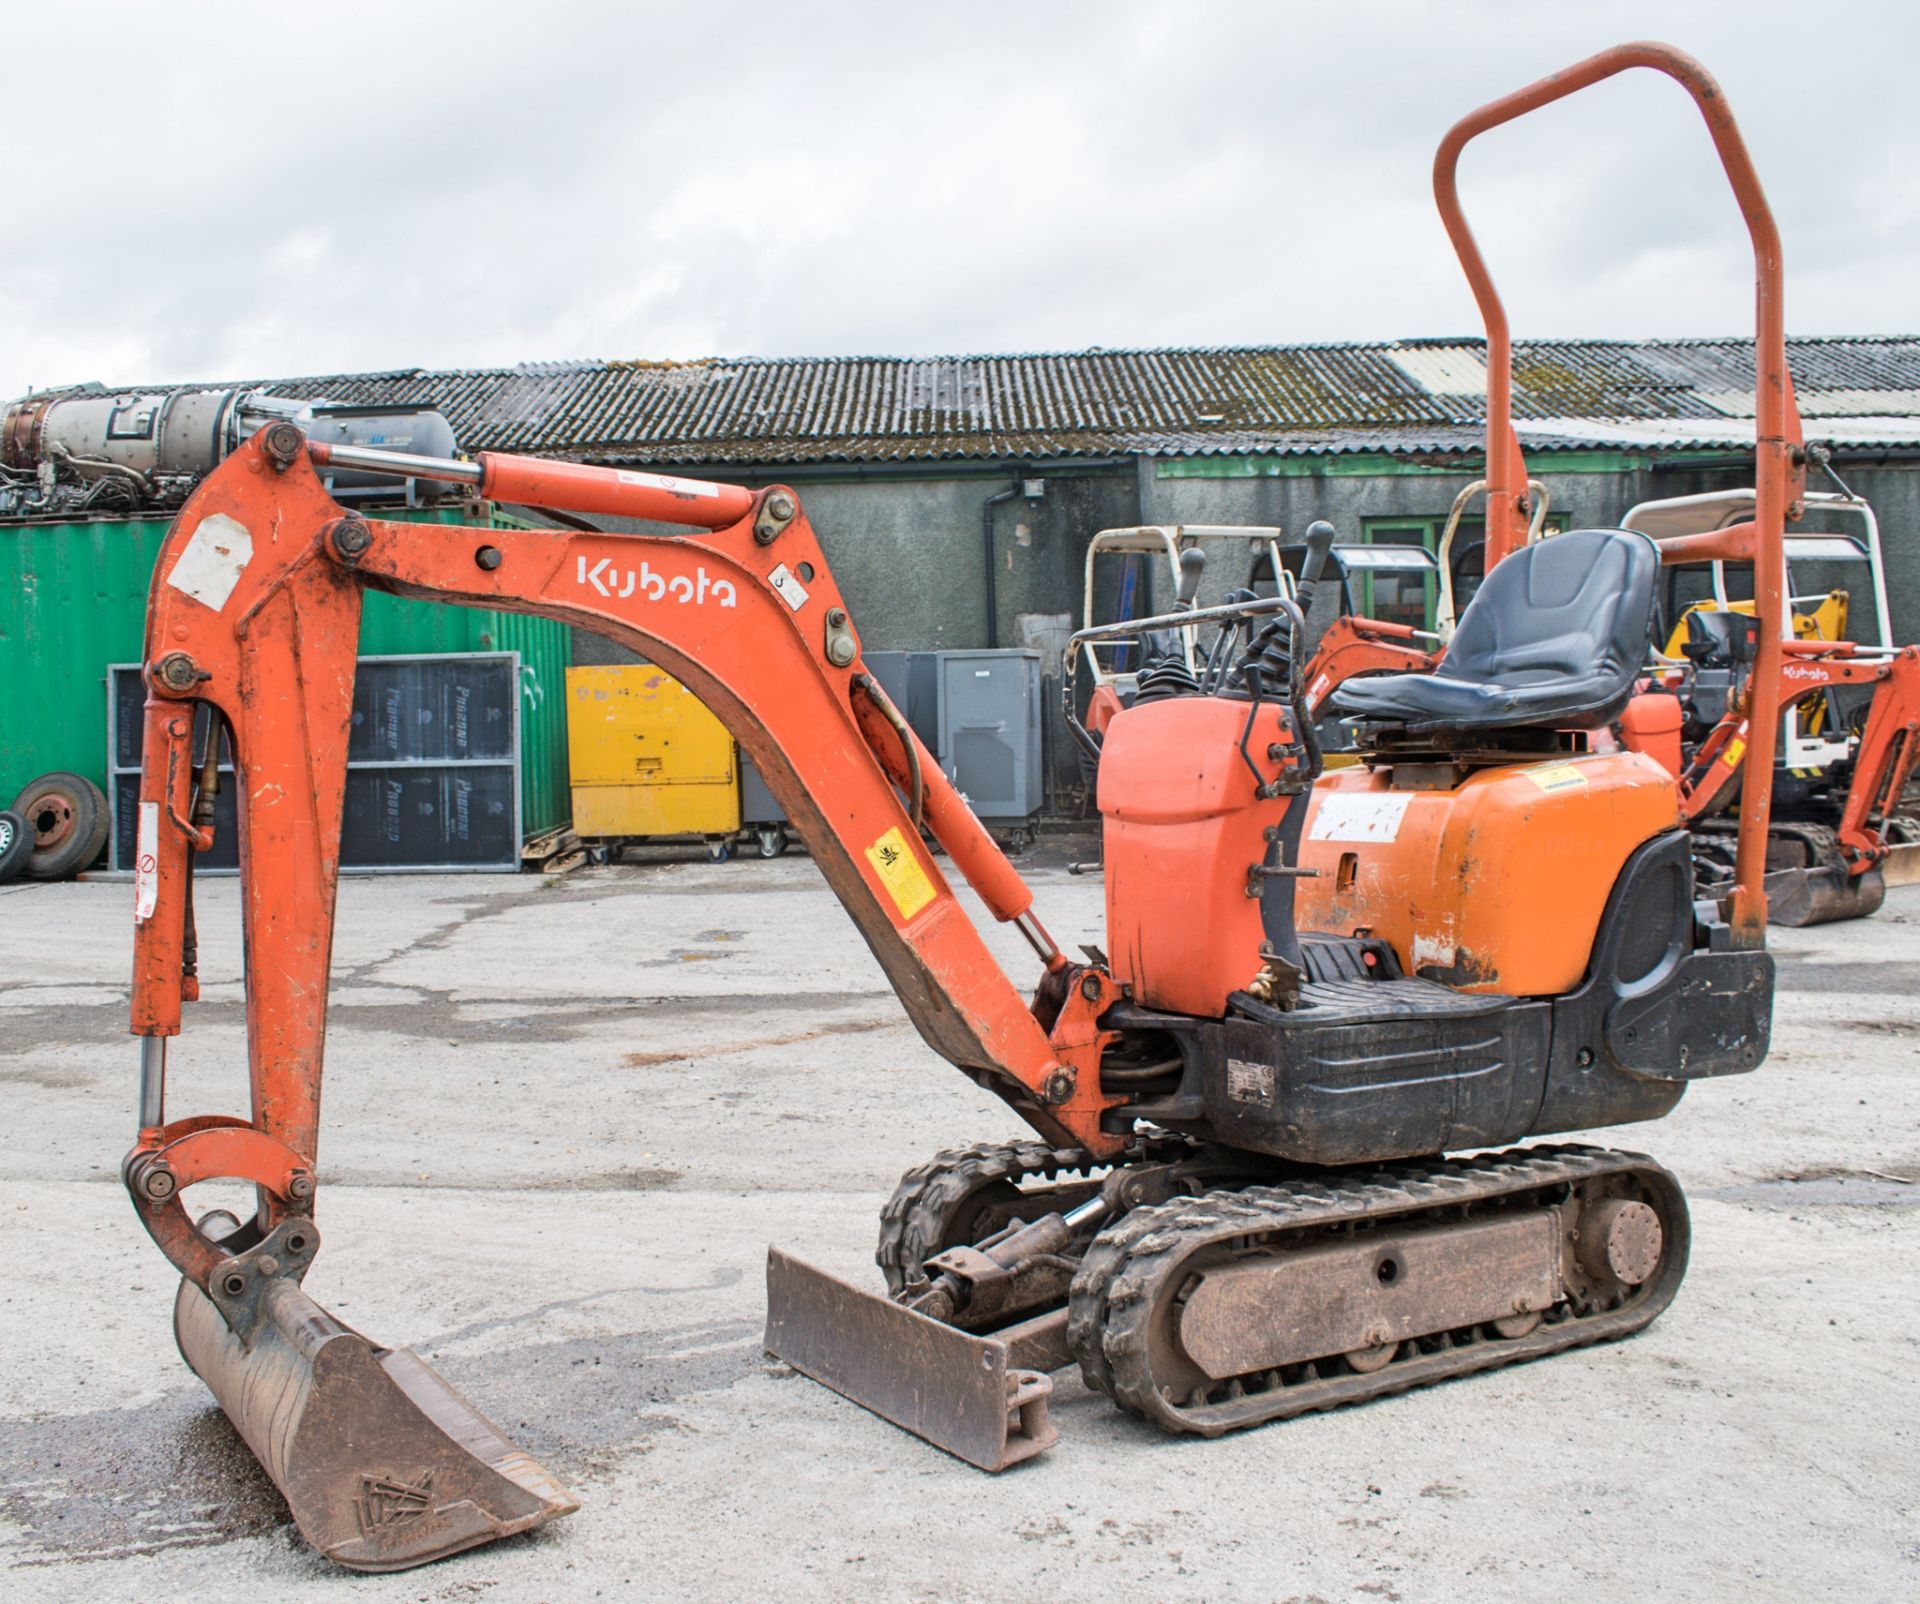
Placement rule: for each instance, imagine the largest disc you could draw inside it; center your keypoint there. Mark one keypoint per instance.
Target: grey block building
(956, 495)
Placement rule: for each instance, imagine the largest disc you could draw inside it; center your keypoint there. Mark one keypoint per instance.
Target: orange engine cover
(1496, 885)
(1181, 828)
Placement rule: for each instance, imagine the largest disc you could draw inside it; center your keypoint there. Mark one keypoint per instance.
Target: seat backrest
(1573, 607)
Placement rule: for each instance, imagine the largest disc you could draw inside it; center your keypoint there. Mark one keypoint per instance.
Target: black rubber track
(1133, 1265)
(936, 1203)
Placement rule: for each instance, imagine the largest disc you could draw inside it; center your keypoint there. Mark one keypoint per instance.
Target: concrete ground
(563, 1121)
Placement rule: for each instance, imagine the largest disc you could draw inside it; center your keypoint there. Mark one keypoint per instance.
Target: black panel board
(431, 776)
(395, 817)
(433, 710)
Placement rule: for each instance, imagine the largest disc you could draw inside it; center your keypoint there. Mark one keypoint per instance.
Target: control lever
(1193, 563)
(1319, 543)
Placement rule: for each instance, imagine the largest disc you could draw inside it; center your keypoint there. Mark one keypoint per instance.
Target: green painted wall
(73, 599)
(1380, 465)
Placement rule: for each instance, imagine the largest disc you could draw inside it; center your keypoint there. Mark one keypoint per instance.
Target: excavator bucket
(968, 1394)
(1822, 895)
(383, 1464)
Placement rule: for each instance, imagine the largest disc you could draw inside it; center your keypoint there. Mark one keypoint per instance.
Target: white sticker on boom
(666, 482)
(214, 560)
(146, 862)
(792, 592)
(1361, 817)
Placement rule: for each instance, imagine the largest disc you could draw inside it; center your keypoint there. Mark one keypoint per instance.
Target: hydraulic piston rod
(572, 486)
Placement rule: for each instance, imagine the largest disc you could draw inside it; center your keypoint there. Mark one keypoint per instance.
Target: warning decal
(686, 489)
(1557, 777)
(146, 862)
(900, 872)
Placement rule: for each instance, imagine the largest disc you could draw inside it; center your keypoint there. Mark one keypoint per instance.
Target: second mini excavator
(1236, 1206)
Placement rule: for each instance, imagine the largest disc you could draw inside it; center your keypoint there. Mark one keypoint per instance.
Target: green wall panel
(73, 599)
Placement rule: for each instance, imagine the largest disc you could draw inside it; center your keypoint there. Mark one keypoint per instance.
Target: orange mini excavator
(1237, 1206)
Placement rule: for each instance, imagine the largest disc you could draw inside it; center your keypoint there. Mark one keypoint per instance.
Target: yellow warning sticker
(899, 869)
(1731, 757)
(1557, 777)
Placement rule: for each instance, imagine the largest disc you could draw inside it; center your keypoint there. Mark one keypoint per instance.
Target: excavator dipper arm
(1353, 646)
(1885, 761)
(255, 612)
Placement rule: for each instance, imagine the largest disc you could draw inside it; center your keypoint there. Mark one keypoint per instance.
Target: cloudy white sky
(203, 191)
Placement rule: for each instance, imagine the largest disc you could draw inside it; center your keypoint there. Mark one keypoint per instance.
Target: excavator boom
(255, 613)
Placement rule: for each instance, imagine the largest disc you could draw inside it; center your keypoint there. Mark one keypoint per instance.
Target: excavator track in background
(1391, 1278)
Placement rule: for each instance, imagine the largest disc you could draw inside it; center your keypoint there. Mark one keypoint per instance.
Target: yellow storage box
(646, 757)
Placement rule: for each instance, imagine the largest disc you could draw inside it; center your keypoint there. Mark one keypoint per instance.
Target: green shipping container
(73, 598)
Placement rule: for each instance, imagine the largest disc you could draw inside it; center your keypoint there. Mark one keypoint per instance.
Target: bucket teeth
(382, 1463)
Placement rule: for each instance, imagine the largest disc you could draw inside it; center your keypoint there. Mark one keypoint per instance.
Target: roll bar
(1779, 461)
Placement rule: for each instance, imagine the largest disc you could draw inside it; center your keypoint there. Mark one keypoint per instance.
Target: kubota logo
(623, 582)
(1794, 671)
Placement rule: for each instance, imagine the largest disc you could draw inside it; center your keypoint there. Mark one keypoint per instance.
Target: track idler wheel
(383, 1465)
(968, 1193)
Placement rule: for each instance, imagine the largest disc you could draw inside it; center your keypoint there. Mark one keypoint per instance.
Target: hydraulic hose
(917, 799)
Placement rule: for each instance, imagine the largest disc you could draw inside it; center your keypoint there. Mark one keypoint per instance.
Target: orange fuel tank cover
(1181, 827)
(1495, 884)
(1651, 724)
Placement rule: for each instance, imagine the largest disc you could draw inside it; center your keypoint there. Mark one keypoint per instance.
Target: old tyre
(68, 818)
(16, 843)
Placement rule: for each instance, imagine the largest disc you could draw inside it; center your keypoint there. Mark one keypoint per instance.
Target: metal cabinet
(758, 805)
(647, 759)
(989, 727)
(912, 683)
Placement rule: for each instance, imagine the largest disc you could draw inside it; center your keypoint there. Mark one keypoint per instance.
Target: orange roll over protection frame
(1779, 467)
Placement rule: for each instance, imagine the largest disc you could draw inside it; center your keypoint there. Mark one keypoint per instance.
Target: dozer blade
(961, 1392)
(383, 1464)
(1901, 866)
(1823, 895)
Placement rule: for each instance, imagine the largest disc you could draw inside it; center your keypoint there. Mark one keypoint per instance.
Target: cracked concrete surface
(562, 1123)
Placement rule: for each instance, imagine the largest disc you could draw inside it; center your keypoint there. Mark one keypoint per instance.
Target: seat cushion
(1554, 638)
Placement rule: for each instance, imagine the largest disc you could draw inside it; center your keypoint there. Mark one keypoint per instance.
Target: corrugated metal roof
(1412, 396)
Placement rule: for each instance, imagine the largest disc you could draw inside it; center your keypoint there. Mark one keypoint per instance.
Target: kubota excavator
(1236, 1206)
(1850, 729)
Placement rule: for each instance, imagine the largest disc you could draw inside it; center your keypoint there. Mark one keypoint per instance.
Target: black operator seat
(1555, 637)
